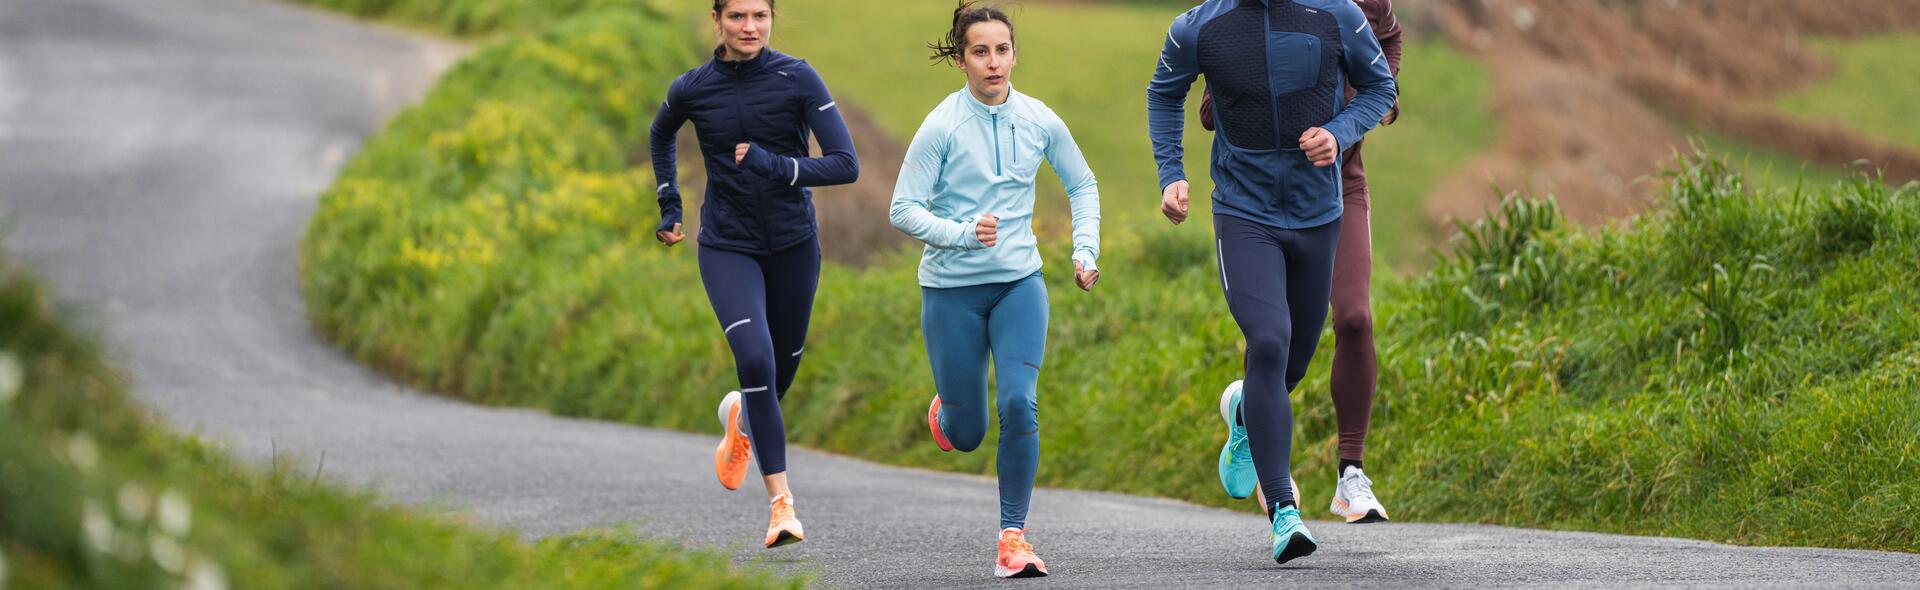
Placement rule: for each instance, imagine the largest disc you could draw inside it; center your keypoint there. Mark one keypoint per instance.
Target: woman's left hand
(1084, 278)
(740, 153)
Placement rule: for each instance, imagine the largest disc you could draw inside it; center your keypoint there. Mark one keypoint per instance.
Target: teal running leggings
(964, 325)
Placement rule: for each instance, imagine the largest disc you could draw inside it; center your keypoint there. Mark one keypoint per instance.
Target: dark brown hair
(721, 5)
(966, 15)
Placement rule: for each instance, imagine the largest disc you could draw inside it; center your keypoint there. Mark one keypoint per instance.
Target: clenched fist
(1084, 278)
(987, 230)
(1173, 202)
(1320, 146)
(670, 236)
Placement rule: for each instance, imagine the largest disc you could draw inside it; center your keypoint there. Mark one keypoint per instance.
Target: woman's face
(988, 60)
(744, 26)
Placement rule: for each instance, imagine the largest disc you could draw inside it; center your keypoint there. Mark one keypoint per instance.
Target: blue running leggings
(763, 304)
(1277, 282)
(963, 325)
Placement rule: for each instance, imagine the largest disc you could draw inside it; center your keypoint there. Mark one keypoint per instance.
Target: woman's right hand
(1173, 202)
(987, 230)
(670, 236)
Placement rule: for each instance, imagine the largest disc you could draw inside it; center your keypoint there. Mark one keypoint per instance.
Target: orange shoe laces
(1017, 544)
(782, 511)
(741, 445)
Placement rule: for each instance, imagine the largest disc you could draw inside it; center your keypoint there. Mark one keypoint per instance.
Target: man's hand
(670, 236)
(987, 230)
(740, 153)
(1320, 146)
(1173, 202)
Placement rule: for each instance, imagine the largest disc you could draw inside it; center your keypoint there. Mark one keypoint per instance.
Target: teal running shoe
(1236, 458)
(1290, 537)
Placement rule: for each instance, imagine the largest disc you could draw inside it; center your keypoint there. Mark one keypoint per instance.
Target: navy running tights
(763, 304)
(1277, 282)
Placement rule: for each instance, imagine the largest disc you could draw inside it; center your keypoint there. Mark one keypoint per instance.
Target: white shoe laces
(1358, 487)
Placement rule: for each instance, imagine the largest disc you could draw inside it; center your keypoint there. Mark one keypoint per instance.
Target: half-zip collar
(739, 68)
(984, 109)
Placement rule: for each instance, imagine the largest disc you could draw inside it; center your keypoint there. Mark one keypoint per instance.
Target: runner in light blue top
(966, 190)
(972, 160)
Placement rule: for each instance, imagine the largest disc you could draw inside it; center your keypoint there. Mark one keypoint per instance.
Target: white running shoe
(1353, 498)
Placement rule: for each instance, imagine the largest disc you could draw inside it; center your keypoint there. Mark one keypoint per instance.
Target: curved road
(159, 159)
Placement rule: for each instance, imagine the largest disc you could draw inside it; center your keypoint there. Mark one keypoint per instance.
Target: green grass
(473, 18)
(1872, 90)
(492, 244)
(1768, 168)
(93, 494)
(1090, 63)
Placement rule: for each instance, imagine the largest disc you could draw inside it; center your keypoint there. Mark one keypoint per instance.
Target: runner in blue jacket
(1278, 70)
(752, 109)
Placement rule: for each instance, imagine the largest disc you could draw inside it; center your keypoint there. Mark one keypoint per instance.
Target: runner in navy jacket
(762, 204)
(1278, 70)
(752, 109)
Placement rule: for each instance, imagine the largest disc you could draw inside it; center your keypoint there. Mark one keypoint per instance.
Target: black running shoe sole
(1372, 516)
(783, 540)
(1030, 571)
(1297, 547)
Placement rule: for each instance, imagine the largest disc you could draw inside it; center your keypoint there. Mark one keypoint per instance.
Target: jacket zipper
(1013, 142)
(996, 144)
(740, 125)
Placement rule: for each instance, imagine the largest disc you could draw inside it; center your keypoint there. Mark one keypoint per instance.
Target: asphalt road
(159, 160)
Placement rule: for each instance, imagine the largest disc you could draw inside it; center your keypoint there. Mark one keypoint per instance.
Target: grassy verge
(1767, 168)
(471, 18)
(1748, 349)
(1866, 92)
(94, 495)
(1727, 349)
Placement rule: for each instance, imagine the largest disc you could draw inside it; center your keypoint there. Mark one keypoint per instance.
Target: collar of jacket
(984, 109)
(736, 68)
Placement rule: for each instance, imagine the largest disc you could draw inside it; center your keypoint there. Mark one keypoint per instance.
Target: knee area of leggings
(1269, 347)
(756, 365)
(966, 441)
(965, 434)
(1018, 415)
(1356, 321)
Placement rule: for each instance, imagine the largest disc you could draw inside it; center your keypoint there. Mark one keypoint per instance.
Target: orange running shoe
(933, 423)
(1016, 557)
(730, 458)
(783, 528)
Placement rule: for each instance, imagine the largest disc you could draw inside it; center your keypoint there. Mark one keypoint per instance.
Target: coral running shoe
(730, 458)
(783, 529)
(1016, 557)
(933, 424)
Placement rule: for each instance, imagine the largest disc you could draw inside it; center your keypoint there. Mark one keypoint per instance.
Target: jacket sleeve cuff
(761, 162)
(970, 236)
(1171, 175)
(667, 219)
(1086, 260)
